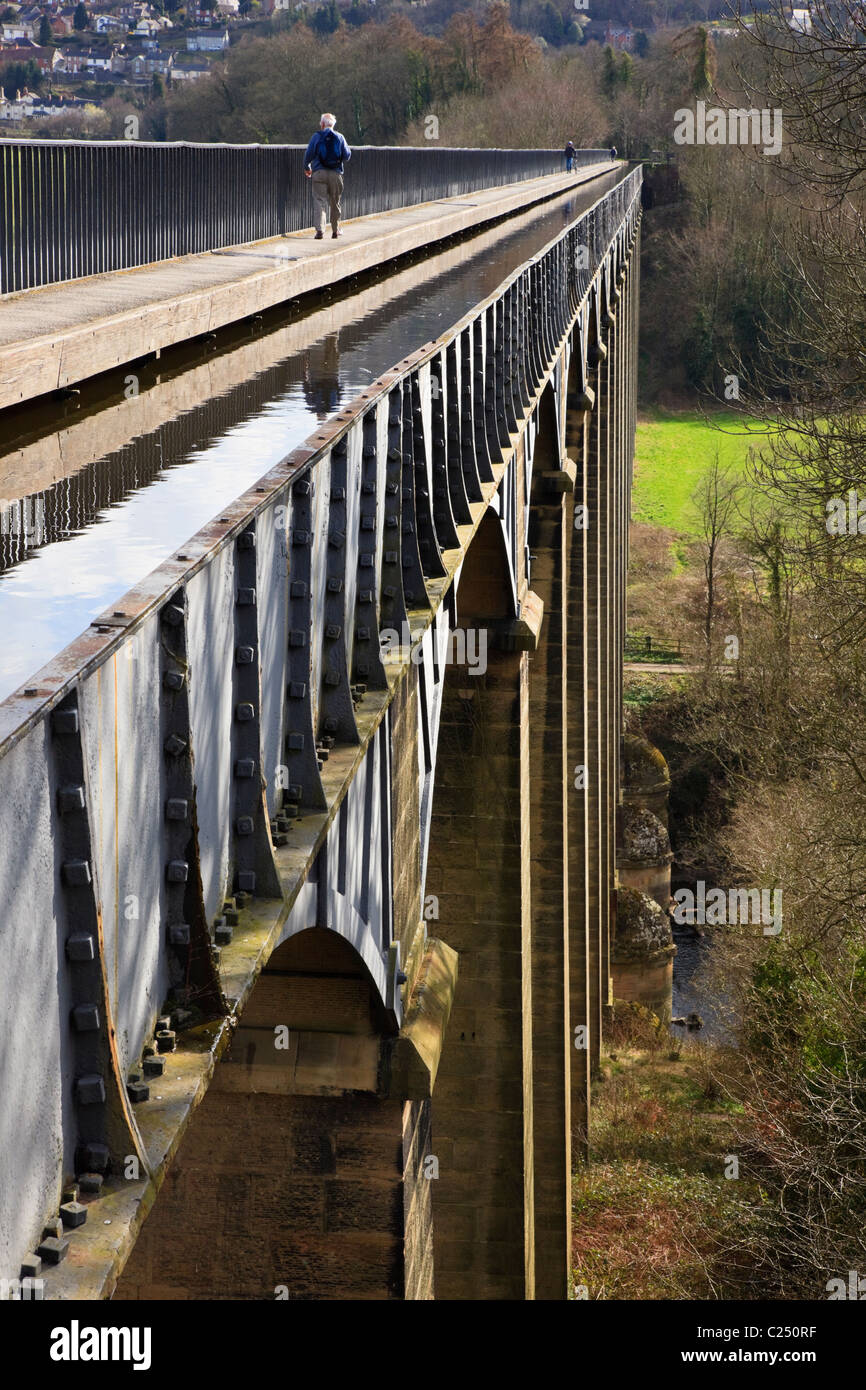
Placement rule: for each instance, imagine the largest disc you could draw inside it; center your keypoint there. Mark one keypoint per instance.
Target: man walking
(323, 163)
(570, 151)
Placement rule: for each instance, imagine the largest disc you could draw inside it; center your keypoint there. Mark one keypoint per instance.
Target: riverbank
(655, 1216)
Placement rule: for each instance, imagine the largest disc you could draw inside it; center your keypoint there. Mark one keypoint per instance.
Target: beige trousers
(327, 192)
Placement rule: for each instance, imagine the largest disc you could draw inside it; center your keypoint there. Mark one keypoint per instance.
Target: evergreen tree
(704, 61)
(696, 46)
(551, 24)
(81, 18)
(326, 19)
(45, 35)
(609, 75)
(18, 76)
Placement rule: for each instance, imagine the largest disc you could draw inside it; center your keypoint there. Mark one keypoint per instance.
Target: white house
(87, 59)
(16, 108)
(154, 61)
(109, 24)
(26, 106)
(13, 30)
(188, 72)
(207, 41)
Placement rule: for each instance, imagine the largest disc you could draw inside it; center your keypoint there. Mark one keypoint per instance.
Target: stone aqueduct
(330, 957)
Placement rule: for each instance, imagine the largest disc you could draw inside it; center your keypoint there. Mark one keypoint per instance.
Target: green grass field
(673, 451)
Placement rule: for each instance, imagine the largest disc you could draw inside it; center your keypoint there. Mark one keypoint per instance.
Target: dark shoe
(334, 235)
(319, 236)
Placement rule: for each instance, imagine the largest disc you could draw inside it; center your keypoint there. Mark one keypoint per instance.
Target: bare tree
(716, 498)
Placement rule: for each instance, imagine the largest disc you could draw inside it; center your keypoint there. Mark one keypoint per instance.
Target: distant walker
(570, 151)
(323, 163)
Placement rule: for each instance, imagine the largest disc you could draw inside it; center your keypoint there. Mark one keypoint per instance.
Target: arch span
(289, 1181)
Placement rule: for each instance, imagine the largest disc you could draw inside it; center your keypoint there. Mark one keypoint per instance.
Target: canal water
(87, 510)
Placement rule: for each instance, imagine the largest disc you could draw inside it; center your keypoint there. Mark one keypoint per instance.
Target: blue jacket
(311, 159)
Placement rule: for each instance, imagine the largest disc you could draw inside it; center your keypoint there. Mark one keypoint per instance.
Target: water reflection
(322, 377)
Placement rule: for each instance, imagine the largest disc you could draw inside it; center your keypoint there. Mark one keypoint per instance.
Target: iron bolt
(76, 873)
(95, 1157)
(65, 721)
(70, 799)
(73, 1214)
(53, 1250)
(80, 948)
(85, 1018)
(90, 1090)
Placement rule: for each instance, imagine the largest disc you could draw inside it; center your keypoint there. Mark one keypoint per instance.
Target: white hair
(328, 120)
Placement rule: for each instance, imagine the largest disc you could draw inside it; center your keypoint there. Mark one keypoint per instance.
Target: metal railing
(168, 755)
(74, 208)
